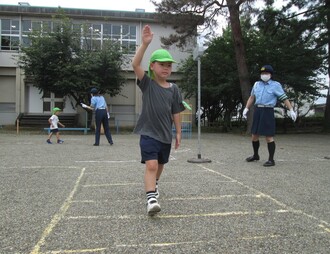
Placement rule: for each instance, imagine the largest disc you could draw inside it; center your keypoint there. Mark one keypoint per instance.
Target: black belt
(264, 106)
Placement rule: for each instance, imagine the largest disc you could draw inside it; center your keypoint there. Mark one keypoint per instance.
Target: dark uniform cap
(267, 68)
(94, 91)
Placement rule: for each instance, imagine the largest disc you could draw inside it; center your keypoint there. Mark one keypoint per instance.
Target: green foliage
(316, 19)
(102, 69)
(56, 63)
(273, 40)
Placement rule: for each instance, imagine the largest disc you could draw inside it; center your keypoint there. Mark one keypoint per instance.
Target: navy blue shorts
(54, 131)
(152, 149)
(263, 122)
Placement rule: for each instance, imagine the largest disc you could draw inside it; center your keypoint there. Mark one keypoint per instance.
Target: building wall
(25, 98)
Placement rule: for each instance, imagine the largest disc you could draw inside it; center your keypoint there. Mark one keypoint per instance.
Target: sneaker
(156, 192)
(60, 141)
(153, 207)
(49, 142)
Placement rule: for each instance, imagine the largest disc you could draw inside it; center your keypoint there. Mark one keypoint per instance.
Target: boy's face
(161, 69)
(57, 113)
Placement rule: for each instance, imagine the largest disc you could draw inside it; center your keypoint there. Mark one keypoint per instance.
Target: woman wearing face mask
(264, 96)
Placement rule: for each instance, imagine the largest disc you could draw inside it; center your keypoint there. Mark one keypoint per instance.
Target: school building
(18, 96)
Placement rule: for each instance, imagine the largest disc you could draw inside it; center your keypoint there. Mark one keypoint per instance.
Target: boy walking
(54, 122)
(162, 104)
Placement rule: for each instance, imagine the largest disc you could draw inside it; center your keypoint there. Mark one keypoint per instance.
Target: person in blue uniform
(102, 116)
(264, 96)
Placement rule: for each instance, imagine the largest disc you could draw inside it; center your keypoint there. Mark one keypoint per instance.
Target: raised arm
(147, 36)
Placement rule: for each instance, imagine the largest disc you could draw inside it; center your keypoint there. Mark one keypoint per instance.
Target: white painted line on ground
(173, 216)
(215, 197)
(76, 251)
(279, 203)
(34, 167)
(192, 242)
(174, 199)
(111, 184)
(38, 167)
(158, 244)
(140, 183)
(304, 160)
(129, 161)
(326, 229)
(58, 216)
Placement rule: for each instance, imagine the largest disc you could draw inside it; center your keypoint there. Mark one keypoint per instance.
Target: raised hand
(147, 34)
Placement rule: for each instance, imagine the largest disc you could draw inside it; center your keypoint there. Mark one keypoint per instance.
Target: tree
(56, 63)
(220, 88)
(292, 52)
(317, 18)
(284, 44)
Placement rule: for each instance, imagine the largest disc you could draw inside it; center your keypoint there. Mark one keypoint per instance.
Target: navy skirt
(263, 122)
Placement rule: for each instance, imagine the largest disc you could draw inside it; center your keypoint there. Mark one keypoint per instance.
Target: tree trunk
(243, 72)
(327, 107)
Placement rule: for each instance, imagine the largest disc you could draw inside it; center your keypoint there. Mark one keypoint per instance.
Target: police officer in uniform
(102, 116)
(264, 96)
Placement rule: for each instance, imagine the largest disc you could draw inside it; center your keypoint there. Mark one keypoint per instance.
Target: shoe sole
(269, 165)
(154, 210)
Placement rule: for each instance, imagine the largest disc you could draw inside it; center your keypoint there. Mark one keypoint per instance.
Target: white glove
(245, 111)
(83, 105)
(293, 115)
(108, 114)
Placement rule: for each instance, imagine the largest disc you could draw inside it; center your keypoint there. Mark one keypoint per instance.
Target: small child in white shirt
(54, 122)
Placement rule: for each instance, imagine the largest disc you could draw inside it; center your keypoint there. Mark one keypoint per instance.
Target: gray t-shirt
(159, 104)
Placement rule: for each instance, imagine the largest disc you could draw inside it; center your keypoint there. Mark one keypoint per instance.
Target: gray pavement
(76, 198)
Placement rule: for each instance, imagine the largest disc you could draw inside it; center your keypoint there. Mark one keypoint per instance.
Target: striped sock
(150, 194)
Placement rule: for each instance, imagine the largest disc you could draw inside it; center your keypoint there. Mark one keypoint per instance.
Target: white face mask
(265, 77)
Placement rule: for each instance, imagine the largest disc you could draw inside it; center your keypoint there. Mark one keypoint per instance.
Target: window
(116, 32)
(9, 34)
(107, 31)
(91, 35)
(129, 38)
(51, 100)
(96, 35)
(124, 34)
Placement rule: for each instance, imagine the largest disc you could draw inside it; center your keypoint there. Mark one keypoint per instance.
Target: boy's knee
(151, 166)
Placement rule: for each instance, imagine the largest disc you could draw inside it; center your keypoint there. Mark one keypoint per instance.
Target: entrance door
(51, 100)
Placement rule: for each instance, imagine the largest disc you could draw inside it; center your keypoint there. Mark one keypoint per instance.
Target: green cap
(160, 55)
(56, 109)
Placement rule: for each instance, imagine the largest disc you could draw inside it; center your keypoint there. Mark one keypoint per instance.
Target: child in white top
(54, 122)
